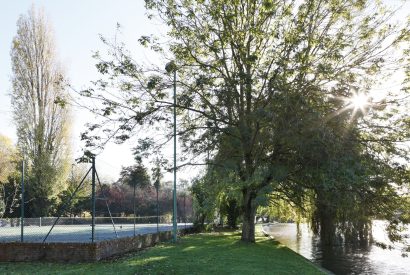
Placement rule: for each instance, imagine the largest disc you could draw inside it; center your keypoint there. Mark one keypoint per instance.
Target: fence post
(22, 202)
(93, 200)
(184, 209)
(133, 206)
(157, 212)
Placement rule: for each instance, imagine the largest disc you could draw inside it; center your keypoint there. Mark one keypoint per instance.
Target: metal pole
(184, 210)
(22, 201)
(157, 212)
(175, 159)
(93, 200)
(133, 202)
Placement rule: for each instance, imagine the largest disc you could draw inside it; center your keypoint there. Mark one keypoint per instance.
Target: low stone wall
(80, 252)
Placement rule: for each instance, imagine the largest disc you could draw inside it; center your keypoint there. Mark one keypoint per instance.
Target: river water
(368, 259)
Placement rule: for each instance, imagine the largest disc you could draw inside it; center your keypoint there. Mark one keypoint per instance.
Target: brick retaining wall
(79, 252)
(53, 252)
(106, 249)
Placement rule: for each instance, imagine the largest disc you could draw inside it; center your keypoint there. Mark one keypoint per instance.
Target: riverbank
(205, 253)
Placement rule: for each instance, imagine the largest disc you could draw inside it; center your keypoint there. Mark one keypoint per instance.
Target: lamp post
(171, 67)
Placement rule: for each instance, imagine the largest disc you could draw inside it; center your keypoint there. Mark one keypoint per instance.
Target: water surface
(368, 259)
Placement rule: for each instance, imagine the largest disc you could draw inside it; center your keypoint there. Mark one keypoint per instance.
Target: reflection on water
(342, 259)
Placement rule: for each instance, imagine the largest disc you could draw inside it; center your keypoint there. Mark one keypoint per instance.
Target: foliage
(10, 193)
(258, 80)
(157, 175)
(9, 186)
(120, 201)
(80, 201)
(8, 158)
(42, 123)
(135, 176)
(204, 202)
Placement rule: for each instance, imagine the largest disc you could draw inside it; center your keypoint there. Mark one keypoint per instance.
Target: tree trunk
(327, 229)
(326, 216)
(249, 211)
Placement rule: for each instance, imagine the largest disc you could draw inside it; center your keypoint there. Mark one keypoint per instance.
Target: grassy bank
(207, 253)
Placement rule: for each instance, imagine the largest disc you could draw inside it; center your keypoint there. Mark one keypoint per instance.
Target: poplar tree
(41, 117)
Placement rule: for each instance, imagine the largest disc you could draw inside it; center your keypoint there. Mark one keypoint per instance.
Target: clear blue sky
(77, 25)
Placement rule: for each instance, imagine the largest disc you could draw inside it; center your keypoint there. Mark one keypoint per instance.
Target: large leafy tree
(350, 183)
(42, 124)
(247, 73)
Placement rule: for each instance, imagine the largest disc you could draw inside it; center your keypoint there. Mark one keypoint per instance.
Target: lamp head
(171, 67)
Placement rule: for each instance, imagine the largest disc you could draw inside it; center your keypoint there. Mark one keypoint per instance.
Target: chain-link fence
(91, 211)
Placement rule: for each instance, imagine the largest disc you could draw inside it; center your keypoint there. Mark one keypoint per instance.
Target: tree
(156, 177)
(183, 184)
(135, 176)
(204, 202)
(9, 177)
(246, 72)
(42, 123)
(8, 158)
(79, 203)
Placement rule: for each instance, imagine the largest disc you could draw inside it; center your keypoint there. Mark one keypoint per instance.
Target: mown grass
(205, 253)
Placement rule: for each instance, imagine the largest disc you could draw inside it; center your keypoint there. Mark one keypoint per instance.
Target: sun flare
(359, 101)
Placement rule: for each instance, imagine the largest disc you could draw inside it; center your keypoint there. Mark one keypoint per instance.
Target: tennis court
(80, 232)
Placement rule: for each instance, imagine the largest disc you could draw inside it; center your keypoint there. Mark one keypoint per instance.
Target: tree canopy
(136, 175)
(40, 114)
(265, 88)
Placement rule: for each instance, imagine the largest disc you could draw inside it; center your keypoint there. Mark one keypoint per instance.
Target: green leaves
(136, 175)
(144, 40)
(152, 82)
(102, 67)
(261, 90)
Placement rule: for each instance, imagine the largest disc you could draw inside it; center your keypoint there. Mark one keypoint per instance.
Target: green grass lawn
(205, 253)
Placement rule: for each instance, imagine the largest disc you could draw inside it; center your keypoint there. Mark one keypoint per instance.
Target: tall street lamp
(171, 67)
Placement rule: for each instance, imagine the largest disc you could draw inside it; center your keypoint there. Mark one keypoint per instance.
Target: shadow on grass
(205, 253)
(222, 253)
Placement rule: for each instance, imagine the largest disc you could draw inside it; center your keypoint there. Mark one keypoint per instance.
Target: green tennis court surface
(80, 233)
